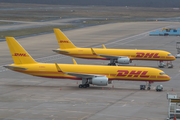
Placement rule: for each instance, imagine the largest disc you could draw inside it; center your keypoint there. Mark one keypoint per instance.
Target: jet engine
(123, 60)
(101, 81)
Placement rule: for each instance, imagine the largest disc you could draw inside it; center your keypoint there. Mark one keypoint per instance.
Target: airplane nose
(174, 58)
(168, 78)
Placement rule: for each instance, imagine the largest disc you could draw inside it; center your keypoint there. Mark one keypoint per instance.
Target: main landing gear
(112, 62)
(84, 84)
(162, 65)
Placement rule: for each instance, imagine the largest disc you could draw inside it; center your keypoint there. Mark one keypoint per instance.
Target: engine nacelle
(101, 81)
(123, 60)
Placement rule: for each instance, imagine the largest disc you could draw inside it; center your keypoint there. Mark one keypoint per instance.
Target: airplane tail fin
(19, 54)
(64, 42)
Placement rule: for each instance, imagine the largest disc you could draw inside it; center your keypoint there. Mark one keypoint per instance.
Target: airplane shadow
(72, 87)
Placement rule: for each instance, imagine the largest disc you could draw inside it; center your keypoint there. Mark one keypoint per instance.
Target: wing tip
(58, 68)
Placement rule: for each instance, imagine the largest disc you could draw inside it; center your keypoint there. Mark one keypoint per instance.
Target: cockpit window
(162, 73)
(169, 54)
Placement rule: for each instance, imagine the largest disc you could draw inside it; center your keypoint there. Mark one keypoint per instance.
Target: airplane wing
(15, 68)
(78, 75)
(110, 56)
(107, 56)
(82, 75)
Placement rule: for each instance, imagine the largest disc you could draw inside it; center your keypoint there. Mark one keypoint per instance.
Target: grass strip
(30, 31)
(104, 21)
(5, 23)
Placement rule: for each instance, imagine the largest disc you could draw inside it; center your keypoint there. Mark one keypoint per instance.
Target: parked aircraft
(121, 56)
(89, 74)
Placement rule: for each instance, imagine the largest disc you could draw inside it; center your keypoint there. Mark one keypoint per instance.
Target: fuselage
(133, 54)
(112, 73)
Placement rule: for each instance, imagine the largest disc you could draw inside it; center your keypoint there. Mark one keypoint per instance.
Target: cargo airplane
(89, 74)
(121, 56)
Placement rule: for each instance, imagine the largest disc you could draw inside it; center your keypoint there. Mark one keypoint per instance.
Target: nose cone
(173, 58)
(168, 78)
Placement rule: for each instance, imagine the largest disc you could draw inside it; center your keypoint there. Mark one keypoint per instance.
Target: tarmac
(24, 97)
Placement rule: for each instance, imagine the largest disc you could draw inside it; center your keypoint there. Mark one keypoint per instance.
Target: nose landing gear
(142, 87)
(162, 65)
(149, 86)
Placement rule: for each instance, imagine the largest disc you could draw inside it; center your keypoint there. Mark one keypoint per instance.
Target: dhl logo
(20, 54)
(126, 73)
(148, 55)
(63, 41)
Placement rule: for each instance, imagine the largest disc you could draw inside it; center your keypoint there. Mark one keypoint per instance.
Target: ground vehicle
(142, 87)
(159, 88)
(178, 49)
(165, 32)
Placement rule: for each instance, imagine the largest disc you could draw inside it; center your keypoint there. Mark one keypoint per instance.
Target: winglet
(58, 68)
(93, 51)
(103, 46)
(74, 61)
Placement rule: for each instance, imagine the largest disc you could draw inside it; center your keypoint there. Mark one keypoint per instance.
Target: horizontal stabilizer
(15, 68)
(60, 51)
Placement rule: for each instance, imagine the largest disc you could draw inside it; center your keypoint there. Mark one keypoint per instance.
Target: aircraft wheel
(88, 85)
(112, 64)
(148, 88)
(80, 86)
(84, 86)
(109, 63)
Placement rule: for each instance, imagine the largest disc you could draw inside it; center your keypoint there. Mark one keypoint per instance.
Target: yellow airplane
(89, 74)
(121, 56)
